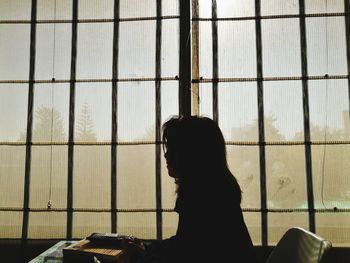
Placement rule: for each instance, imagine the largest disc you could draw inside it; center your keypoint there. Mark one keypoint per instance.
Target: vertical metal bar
(347, 27)
(185, 59)
(29, 122)
(310, 193)
(195, 58)
(158, 119)
(214, 27)
(71, 121)
(114, 118)
(260, 91)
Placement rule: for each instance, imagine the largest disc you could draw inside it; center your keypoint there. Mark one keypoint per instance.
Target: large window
(86, 85)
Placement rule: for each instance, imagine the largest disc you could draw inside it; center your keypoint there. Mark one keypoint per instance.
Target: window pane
(205, 50)
(329, 110)
(281, 47)
(93, 112)
(234, 8)
(237, 49)
(136, 8)
(94, 54)
(48, 176)
(12, 175)
(170, 7)
(92, 177)
(326, 45)
(323, 6)
(51, 113)
(206, 99)
(11, 225)
(238, 111)
(141, 225)
(135, 173)
(86, 223)
(14, 50)
(330, 164)
(243, 162)
(136, 111)
(334, 227)
(279, 223)
(170, 48)
(13, 112)
(283, 106)
(15, 9)
(277, 7)
(170, 221)
(96, 9)
(137, 49)
(253, 222)
(169, 99)
(46, 9)
(47, 225)
(286, 179)
(53, 51)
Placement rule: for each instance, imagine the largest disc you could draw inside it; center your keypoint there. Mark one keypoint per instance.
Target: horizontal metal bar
(99, 20)
(206, 19)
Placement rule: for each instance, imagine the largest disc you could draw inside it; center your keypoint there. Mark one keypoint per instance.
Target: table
(54, 254)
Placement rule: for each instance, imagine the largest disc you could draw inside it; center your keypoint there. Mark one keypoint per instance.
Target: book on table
(104, 250)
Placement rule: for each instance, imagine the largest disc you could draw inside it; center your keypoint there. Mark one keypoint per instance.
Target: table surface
(54, 254)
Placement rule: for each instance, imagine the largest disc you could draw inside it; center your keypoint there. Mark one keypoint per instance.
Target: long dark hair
(197, 150)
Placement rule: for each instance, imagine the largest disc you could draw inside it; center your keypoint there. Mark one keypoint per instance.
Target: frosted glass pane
(279, 223)
(95, 9)
(11, 224)
(243, 162)
(281, 47)
(285, 177)
(136, 111)
(95, 51)
(12, 175)
(278, 7)
(14, 51)
(326, 46)
(46, 9)
(136, 8)
(168, 186)
(51, 113)
(141, 225)
(15, 9)
(235, 8)
(92, 177)
(330, 166)
(169, 99)
(205, 50)
(170, 221)
(135, 173)
(13, 112)
(283, 106)
(237, 49)
(48, 225)
(329, 110)
(324, 6)
(53, 51)
(170, 48)
(137, 49)
(206, 100)
(253, 222)
(86, 223)
(334, 227)
(48, 179)
(170, 7)
(238, 111)
(93, 112)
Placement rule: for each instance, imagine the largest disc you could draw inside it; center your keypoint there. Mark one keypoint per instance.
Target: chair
(298, 245)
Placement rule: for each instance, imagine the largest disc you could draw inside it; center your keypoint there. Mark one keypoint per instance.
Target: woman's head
(194, 146)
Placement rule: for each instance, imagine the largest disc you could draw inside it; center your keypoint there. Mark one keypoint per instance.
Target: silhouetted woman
(211, 227)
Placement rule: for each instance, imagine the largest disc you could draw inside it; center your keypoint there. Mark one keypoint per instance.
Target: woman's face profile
(169, 163)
